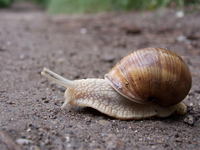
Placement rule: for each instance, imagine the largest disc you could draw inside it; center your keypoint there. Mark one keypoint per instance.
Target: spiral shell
(151, 75)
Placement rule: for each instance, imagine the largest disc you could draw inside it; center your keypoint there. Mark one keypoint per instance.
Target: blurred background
(88, 45)
(91, 6)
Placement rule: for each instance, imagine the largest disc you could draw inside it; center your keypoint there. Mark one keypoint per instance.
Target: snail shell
(151, 74)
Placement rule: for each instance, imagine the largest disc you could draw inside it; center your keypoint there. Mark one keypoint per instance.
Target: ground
(82, 46)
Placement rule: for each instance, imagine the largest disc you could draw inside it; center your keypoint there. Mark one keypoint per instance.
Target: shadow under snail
(148, 82)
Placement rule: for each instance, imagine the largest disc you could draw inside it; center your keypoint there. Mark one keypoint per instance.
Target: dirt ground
(81, 46)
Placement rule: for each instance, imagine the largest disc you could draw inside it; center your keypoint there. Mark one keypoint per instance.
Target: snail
(148, 82)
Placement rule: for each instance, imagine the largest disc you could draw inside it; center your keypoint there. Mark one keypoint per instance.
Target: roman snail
(148, 82)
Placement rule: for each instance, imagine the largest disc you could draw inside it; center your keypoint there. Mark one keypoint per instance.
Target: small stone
(189, 120)
(191, 104)
(2, 49)
(103, 122)
(34, 148)
(176, 135)
(180, 14)
(67, 138)
(197, 91)
(61, 60)
(8, 43)
(178, 140)
(140, 139)
(22, 56)
(10, 102)
(108, 58)
(47, 142)
(46, 101)
(43, 98)
(136, 131)
(113, 142)
(83, 30)
(181, 38)
(23, 141)
(153, 146)
(131, 29)
(28, 130)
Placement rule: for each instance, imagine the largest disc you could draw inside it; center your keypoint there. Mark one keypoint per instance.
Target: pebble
(131, 29)
(28, 130)
(2, 49)
(180, 14)
(60, 60)
(45, 100)
(191, 104)
(47, 142)
(34, 148)
(22, 56)
(103, 122)
(181, 38)
(113, 142)
(83, 30)
(189, 120)
(67, 138)
(8, 43)
(136, 131)
(197, 91)
(23, 141)
(108, 58)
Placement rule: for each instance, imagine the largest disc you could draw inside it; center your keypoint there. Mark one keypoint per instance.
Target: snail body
(146, 83)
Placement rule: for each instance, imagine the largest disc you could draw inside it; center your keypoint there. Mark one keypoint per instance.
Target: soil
(82, 46)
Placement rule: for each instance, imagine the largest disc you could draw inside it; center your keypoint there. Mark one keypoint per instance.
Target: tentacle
(57, 78)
